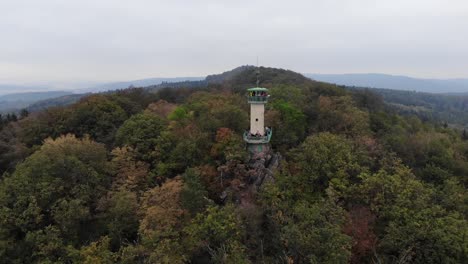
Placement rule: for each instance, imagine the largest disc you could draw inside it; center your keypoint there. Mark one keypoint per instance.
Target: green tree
(303, 230)
(213, 110)
(193, 195)
(141, 132)
(96, 116)
(56, 187)
(322, 161)
(340, 115)
(218, 232)
(288, 123)
(415, 228)
(97, 253)
(119, 215)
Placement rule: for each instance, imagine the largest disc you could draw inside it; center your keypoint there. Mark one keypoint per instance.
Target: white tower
(258, 133)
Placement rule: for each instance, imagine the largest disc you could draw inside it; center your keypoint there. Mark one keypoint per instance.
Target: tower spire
(257, 73)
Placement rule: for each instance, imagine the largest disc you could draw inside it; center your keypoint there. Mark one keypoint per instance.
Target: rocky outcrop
(247, 179)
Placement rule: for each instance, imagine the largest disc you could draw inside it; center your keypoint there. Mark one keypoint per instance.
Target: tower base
(255, 149)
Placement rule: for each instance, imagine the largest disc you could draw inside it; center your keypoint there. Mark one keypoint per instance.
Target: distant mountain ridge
(386, 81)
(32, 96)
(136, 83)
(13, 88)
(16, 101)
(238, 78)
(13, 100)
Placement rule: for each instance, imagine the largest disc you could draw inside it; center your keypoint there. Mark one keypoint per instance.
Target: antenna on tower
(258, 73)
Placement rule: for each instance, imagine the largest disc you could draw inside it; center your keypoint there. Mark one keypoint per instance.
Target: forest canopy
(146, 175)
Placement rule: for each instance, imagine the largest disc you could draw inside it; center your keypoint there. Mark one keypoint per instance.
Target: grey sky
(111, 40)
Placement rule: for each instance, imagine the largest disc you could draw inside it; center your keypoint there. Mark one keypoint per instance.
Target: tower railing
(258, 139)
(258, 99)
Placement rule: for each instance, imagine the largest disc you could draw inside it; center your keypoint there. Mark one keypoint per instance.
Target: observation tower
(258, 136)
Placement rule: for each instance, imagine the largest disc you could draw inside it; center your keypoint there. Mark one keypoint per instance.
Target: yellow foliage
(161, 208)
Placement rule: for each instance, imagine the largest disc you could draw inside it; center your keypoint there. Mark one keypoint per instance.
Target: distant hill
(442, 108)
(54, 102)
(12, 97)
(375, 80)
(228, 75)
(16, 101)
(136, 83)
(241, 77)
(32, 96)
(13, 88)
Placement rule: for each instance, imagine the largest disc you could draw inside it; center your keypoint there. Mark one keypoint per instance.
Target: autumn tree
(162, 218)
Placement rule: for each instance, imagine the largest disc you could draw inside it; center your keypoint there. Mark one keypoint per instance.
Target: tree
(415, 228)
(288, 123)
(188, 147)
(161, 208)
(12, 150)
(24, 113)
(218, 232)
(229, 146)
(161, 108)
(56, 187)
(339, 115)
(193, 195)
(96, 116)
(97, 253)
(360, 227)
(141, 132)
(119, 215)
(324, 160)
(162, 219)
(303, 230)
(131, 174)
(212, 111)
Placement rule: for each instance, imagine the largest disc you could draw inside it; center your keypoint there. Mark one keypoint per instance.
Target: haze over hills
(35, 97)
(32, 96)
(16, 101)
(137, 83)
(371, 80)
(13, 88)
(377, 80)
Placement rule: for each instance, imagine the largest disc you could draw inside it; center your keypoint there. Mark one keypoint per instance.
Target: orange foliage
(161, 108)
(359, 227)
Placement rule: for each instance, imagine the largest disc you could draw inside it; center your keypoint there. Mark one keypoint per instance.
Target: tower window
(256, 119)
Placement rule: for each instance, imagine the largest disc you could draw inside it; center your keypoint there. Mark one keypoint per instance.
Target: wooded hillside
(154, 176)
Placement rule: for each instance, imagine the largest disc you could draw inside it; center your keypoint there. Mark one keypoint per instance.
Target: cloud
(120, 40)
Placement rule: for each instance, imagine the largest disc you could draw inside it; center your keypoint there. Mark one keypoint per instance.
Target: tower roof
(257, 89)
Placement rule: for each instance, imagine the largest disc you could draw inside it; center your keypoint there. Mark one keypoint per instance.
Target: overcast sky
(111, 40)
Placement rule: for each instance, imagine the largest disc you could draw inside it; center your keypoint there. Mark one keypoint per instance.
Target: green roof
(257, 89)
